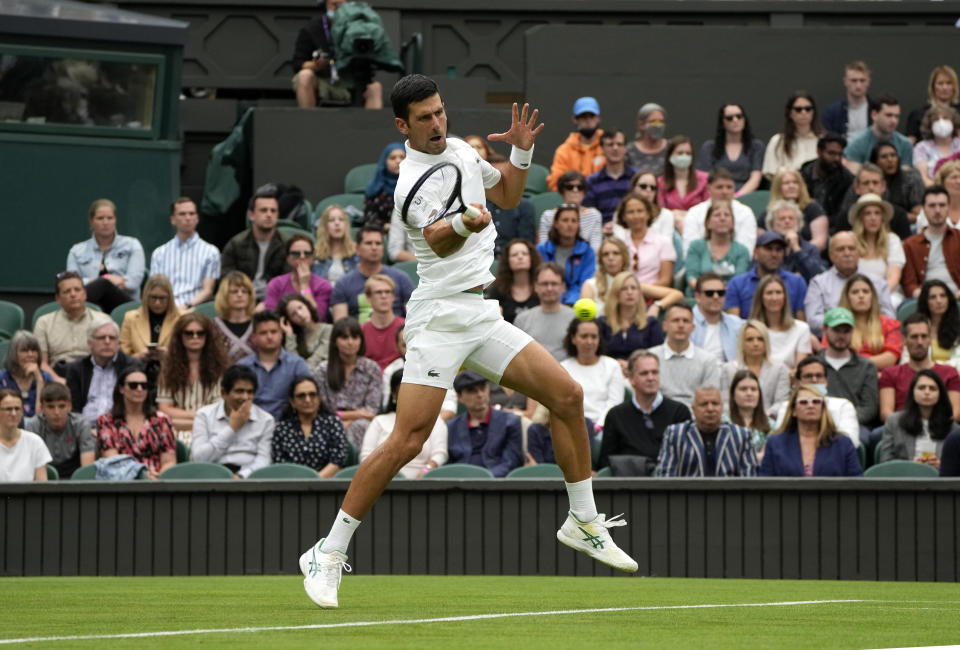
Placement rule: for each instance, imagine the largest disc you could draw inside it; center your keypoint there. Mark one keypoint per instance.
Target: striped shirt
(682, 451)
(186, 265)
(604, 192)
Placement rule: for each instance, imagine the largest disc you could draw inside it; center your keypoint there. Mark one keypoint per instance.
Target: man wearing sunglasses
(714, 330)
(91, 379)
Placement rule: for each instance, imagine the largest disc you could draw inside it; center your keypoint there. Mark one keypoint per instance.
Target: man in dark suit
(483, 436)
(91, 379)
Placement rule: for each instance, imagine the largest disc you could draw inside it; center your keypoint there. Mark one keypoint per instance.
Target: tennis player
(449, 324)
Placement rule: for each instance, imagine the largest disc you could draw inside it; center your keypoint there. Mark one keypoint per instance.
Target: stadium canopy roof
(68, 19)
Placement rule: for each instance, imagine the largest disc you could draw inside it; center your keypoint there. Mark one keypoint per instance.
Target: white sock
(340, 533)
(582, 505)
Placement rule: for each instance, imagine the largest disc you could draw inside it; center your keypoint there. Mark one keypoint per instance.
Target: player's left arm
(513, 176)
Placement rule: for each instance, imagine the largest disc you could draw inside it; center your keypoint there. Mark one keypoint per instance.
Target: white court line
(445, 619)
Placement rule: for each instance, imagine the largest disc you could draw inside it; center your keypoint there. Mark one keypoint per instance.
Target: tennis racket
(436, 195)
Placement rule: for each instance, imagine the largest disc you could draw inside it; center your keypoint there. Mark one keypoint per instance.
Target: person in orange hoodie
(581, 150)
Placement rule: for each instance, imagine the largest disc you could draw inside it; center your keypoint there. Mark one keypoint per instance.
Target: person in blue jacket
(808, 443)
(565, 247)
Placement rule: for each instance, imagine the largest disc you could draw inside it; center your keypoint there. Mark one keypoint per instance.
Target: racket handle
(471, 212)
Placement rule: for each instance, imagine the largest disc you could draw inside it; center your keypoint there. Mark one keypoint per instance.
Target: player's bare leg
(536, 374)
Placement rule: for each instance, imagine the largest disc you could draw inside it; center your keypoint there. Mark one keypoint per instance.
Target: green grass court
(888, 614)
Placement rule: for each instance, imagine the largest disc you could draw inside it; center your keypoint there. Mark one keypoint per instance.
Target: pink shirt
(672, 201)
(646, 257)
(281, 285)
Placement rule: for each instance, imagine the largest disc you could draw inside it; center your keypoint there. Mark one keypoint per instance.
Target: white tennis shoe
(322, 573)
(594, 539)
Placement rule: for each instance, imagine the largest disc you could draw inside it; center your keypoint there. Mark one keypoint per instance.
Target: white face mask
(942, 128)
(681, 161)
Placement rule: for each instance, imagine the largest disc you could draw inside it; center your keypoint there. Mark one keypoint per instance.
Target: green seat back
(52, 473)
(53, 306)
(906, 308)
(604, 473)
(347, 472)
(536, 180)
(901, 469)
(353, 458)
(85, 473)
(542, 470)
(11, 316)
(295, 230)
(119, 312)
(208, 309)
(284, 470)
(183, 452)
(355, 182)
(459, 470)
(191, 471)
(541, 202)
(862, 455)
(343, 200)
(756, 201)
(410, 268)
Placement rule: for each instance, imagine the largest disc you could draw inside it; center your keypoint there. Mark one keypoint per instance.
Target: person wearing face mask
(943, 89)
(682, 186)
(812, 372)
(581, 150)
(649, 149)
(848, 375)
(939, 130)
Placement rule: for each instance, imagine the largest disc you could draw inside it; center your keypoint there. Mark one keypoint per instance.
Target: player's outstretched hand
(476, 224)
(523, 128)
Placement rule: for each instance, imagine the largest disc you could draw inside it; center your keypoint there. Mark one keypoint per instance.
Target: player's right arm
(444, 240)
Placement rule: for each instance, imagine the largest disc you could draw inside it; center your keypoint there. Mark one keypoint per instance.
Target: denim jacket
(729, 331)
(322, 267)
(124, 258)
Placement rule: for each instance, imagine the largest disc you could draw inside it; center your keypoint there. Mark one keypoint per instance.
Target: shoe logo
(593, 539)
(314, 567)
(433, 373)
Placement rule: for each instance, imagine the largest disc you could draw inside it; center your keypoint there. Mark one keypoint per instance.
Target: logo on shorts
(433, 373)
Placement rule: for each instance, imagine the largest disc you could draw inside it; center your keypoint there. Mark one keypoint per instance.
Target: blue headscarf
(383, 181)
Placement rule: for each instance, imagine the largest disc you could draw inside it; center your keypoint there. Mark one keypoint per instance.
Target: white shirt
(857, 118)
(842, 411)
(435, 448)
(744, 225)
(925, 445)
(785, 346)
(215, 442)
(937, 263)
(602, 385)
(469, 266)
(18, 463)
(837, 363)
(712, 342)
(878, 265)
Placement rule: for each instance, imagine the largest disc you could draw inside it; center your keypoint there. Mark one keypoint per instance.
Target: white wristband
(457, 224)
(521, 159)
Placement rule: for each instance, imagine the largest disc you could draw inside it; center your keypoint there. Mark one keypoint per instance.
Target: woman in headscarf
(378, 204)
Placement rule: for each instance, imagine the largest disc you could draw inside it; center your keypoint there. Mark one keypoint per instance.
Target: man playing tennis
(450, 324)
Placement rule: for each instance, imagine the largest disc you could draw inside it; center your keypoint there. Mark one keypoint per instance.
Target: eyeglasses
(310, 395)
(714, 293)
(137, 385)
(802, 109)
(299, 254)
(194, 334)
(731, 118)
(574, 187)
(645, 186)
(812, 401)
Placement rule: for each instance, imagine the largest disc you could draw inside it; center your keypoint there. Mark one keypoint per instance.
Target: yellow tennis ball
(585, 309)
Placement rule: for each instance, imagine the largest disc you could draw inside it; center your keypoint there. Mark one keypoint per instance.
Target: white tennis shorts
(443, 334)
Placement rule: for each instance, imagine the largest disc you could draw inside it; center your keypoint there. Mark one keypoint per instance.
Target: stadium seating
(52, 473)
(343, 200)
(410, 268)
(48, 307)
(118, 313)
(536, 180)
(284, 471)
(541, 470)
(347, 472)
(862, 455)
(604, 473)
(355, 182)
(208, 309)
(541, 202)
(191, 471)
(458, 470)
(183, 452)
(901, 469)
(756, 201)
(906, 308)
(11, 318)
(89, 473)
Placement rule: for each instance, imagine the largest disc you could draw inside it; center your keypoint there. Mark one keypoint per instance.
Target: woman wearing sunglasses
(797, 143)
(734, 148)
(808, 443)
(300, 279)
(573, 187)
(311, 435)
(134, 427)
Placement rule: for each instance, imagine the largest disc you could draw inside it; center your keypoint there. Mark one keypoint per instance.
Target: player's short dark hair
(410, 89)
(934, 189)
(265, 316)
(829, 137)
(236, 373)
(806, 361)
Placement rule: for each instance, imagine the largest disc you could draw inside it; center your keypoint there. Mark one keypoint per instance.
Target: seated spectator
(483, 436)
(572, 186)
(939, 131)
(813, 370)
(483, 149)
(581, 151)
(797, 143)
(644, 184)
(934, 252)
(607, 186)
(652, 255)
(539, 443)
(895, 380)
(513, 287)
(681, 186)
(948, 177)
(145, 333)
(433, 454)
(936, 303)
(21, 370)
(683, 366)
(707, 446)
(713, 330)
(800, 256)
(233, 431)
(350, 382)
(133, 426)
(823, 292)
(380, 332)
(826, 179)
(110, 264)
(235, 304)
(62, 334)
(875, 336)
(849, 375)
(378, 195)
(789, 337)
(547, 322)
(67, 435)
(335, 254)
(720, 187)
(904, 184)
(191, 264)
(649, 148)
(627, 325)
(717, 252)
(91, 380)
(600, 376)
(754, 354)
(917, 432)
(942, 90)
(851, 114)
(734, 148)
(612, 258)
(304, 334)
(881, 252)
(635, 427)
(260, 250)
(745, 408)
(871, 180)
(24, 456)
(885, 116)
(808, 442)
(190, 372)
(310, 435)
(300, 279)
(565, 247)
(275, 367)
(950, 455)
(348, 292)
(768, 261)
(812, 223)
